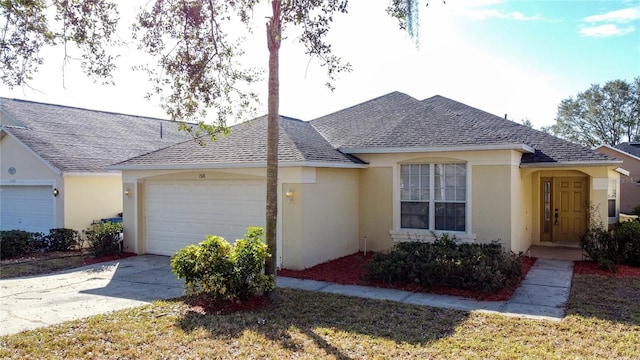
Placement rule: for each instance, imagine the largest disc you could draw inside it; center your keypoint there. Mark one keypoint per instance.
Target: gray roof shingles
(81, 140)
(632, 148)
(84, 140)
(247, 144)
(397, 120)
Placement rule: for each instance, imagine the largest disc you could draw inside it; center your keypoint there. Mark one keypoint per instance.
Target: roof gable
(632, 148)
(246, 145)
(81, 140)
(398, 121)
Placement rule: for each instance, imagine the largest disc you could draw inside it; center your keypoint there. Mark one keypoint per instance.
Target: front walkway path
(542, 294)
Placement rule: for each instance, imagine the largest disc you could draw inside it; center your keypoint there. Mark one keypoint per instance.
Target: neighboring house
(53, 162)
(391, 169)
(629, 188)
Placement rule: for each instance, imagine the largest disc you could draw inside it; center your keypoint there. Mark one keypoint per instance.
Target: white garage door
(27, 208)
(179, 213)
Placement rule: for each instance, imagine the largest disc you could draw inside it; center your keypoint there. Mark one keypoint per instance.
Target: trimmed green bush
(14, 243)
(601, 247)
(612, 248)
(104, 238)
(62, 240)
(444, 262)
(226, 272)
(627, 235)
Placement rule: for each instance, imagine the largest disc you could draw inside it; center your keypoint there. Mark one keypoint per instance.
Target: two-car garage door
(179, 213)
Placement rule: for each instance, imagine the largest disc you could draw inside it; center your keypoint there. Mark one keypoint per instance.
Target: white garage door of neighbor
(27, 208)
(180, 213)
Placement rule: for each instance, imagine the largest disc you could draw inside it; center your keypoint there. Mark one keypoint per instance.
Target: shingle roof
(397, 120)
(632, 148)
(246, 144)
(81, 140)
(73, 139)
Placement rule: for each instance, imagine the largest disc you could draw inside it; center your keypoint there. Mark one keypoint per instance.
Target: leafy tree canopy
(608, 114)
(30, 25)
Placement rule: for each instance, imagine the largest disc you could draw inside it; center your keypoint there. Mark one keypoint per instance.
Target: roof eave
(623, 171)
(617, 150)
(213, 166)
(523, 148)
(560, 164)
(53, 168)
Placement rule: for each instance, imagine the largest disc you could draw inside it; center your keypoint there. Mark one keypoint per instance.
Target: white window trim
(419, 235)
(398, 234)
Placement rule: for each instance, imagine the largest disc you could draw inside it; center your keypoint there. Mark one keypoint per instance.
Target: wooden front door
(564, 209)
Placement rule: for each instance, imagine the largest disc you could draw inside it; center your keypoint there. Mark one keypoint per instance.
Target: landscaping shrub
(444, 262)
(611, 248)
(104, 238)
(61, 239)
(627, 236)
(226, 272)
(601, 247)
(14, 243)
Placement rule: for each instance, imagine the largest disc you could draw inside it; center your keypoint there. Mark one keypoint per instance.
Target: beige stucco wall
(321, 222)
(90, 197)
(493, 184)
(334, 209)
(30, 170)
(522, 229)
(376, 208)
(492, 197)
(629, 188)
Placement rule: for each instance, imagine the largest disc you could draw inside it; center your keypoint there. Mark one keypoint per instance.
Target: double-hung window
(433, 196)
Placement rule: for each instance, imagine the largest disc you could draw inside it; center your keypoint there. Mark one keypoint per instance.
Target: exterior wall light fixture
(127, 192)
(56, 192)
(289, 195)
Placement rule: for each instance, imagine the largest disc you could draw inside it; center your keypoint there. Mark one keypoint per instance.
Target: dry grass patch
(41, 263)
(307, 325)
(605, 297)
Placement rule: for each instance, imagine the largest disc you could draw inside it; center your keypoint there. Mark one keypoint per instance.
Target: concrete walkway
(542, 294)
(38, 301)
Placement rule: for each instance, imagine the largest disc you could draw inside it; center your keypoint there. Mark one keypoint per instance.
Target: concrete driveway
(37, 301)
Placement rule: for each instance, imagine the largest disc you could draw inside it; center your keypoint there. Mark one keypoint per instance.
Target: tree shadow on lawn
(332, 322)
(606, 296)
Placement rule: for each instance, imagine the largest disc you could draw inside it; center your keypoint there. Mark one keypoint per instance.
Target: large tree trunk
(273, 41)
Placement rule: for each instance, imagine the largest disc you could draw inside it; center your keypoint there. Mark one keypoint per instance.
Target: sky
(513, 58)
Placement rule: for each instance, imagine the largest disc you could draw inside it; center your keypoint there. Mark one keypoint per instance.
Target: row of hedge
(15, 243)
(445, 262)
(103, 239)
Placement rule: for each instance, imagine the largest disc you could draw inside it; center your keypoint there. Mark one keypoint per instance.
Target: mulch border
(350, 270)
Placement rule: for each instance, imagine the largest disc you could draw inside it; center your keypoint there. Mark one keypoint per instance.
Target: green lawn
(602, 322)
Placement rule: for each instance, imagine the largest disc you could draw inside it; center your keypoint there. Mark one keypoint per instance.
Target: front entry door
(564, 209)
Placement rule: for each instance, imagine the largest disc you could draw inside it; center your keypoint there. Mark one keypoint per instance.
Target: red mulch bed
(350, 270)
(95, 260)
(591, 268)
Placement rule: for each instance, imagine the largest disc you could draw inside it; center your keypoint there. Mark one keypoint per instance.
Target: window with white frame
(433, 196)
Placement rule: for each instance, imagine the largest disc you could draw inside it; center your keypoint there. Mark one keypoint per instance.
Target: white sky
(519, 58)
